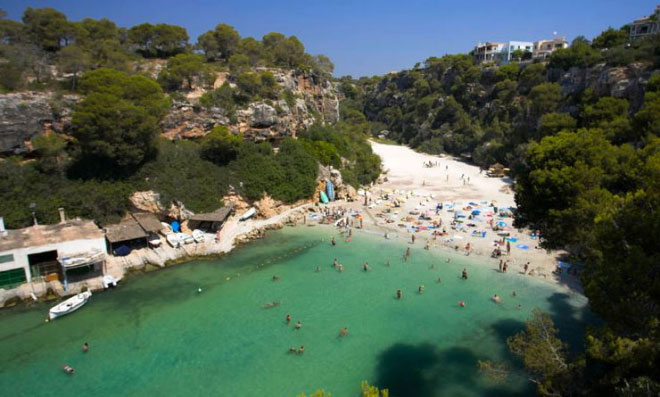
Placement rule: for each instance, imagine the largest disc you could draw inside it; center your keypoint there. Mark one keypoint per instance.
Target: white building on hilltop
(645, 26)
(488, 52)
(543, 48)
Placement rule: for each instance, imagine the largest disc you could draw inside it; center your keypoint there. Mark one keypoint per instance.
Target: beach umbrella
(501, 224)
(476, 212)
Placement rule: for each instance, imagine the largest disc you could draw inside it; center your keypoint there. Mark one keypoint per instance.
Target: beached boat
(70, 305)
(185, 238)
(248, 214)
(173, 240)
(198, 236)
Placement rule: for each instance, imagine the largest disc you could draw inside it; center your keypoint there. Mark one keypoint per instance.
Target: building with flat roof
(70, 250)
(645, 26)
(543, 48)
(488, 52)
(513, 46)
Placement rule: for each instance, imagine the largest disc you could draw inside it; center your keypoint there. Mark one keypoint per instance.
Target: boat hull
(70, 305)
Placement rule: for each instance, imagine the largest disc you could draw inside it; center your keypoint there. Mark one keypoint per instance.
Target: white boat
(198, 236)
(185, 238)
(109, 281)
(70, 305)
(173, 240)
(167, 228)
(248, 214)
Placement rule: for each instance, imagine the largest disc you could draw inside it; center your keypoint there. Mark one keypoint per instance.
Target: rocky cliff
(23, 115)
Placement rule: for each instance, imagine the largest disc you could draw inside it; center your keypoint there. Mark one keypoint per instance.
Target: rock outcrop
(26, 114)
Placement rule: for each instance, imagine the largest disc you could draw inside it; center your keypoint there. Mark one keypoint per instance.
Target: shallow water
(156, 334)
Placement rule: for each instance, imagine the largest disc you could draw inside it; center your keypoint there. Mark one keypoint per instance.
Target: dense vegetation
(587, 168)
(114, 146)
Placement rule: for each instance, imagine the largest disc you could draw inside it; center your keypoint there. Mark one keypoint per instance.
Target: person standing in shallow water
(399, 294)
(464, 275)
(333, 241)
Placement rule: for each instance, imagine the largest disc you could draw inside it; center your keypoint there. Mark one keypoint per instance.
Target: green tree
(73, 59)
(552, 123)
(182, 68)
(220, 146)
(543, 354)
(239, 63)
(611, 115)
(545, 98)
(579, 54)
(161, 40)
(610, 38)
(48, 28)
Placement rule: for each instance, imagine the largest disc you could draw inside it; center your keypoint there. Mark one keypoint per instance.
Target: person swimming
(387, 263)
(301, 350)
(318, 269)
(464, 274)
(335, 263)
(399, 294)
(439, 280)
(343, 332)
(515, 293)
(461, 304)
(420, 289)
(496, 299)
(85, 347)
(341, 268)
(333, 241)
(276, 277)
(365, 266)
(298, 325)
(288, 318)
(68, 369)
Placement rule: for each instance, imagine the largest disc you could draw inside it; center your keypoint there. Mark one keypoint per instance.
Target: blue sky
(367, 37)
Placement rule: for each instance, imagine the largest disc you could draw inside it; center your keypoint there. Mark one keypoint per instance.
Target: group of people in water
(69, 369)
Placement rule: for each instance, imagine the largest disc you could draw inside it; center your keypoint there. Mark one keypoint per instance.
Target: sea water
(156, 334)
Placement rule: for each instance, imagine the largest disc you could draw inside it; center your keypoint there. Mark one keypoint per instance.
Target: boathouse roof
(217, 216)
(35, 236)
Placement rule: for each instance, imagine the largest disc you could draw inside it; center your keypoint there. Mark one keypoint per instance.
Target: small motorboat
(185, 238)
(198, 236)
(70, 305)
(173, 240)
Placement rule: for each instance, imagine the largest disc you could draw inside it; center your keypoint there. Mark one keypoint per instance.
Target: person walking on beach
(413, 239)
(501, 261)
(506, 265)
(508, 247)
(526, 267)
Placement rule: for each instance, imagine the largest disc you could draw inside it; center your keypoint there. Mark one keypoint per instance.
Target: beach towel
(512, 239)
(522, 246)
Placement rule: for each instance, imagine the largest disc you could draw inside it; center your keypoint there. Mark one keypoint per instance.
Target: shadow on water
(423, 370)
(570, 321)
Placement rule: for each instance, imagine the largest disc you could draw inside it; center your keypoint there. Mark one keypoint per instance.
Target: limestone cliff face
(24, 115)
(262, 120)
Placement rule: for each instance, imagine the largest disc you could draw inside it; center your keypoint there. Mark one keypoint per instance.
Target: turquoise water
(156, 335)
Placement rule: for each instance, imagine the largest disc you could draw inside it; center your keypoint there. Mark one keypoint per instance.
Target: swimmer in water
(85, 347)
(293, 350)
(387, 263)
(464, 275)
(447, 260)
(343, 332)
(420, 289)
(515, 293)
(301, 350)
(318, 269)
(333, 241)
(439, 280)
(365, 267)
(68, 369)
(341, 268)
(399, 294)
(496, 298)
(298, 325)
(335, 263)
(276, 277)
(288, 318)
